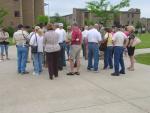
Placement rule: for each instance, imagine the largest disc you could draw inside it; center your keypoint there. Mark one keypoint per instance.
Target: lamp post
(47, 4)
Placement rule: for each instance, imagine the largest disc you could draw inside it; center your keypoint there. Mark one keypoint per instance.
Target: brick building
(22, 11)
(145, 23)
(130, 17)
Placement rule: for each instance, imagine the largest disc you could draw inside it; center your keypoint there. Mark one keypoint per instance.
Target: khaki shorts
(75, 52)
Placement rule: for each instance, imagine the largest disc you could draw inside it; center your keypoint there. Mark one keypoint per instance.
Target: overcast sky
(64, 7)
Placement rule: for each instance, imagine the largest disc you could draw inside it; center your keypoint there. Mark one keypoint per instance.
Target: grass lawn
(143, 58)
(145, 38)
(11, 41)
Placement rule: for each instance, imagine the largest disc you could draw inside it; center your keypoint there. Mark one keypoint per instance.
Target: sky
(64, 7)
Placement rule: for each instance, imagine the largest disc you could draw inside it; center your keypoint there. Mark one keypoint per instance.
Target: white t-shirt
(94, 36)
(119, 38)
(84, 34)
(38, 41)
(62, 35)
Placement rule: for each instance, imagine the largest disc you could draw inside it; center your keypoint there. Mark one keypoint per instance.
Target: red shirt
(76, 36)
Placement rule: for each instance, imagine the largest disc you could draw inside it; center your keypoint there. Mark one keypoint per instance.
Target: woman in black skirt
(130, 48)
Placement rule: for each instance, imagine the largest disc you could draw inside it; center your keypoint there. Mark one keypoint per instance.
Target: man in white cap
(62, 38)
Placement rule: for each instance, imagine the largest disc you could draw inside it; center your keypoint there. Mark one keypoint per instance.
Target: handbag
(103, 44)
(136, 42)
(34, 49)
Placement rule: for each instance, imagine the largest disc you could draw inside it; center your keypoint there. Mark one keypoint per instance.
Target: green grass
(11, 41)
(143, 58)
(145, 38)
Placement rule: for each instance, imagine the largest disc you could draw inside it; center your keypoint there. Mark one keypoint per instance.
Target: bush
(10, 30)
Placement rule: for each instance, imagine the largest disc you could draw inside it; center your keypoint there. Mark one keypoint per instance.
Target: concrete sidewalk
(88, 93)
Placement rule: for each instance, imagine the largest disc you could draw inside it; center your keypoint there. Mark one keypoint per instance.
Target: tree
(88, 22)
(58, 19)
(2, 14)
(105, 10)
(138, 25)
(43, 19)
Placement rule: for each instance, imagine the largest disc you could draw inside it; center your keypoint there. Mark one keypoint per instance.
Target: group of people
(51, 44)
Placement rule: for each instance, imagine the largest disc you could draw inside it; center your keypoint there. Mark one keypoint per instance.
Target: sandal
(131, 69)
(128, 68)
(77, 73)
(70, 73)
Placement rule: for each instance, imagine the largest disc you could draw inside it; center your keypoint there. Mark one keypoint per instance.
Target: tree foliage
(2, 14)
(58, 19)
(43, 19)
(105, 10)
(138, 25)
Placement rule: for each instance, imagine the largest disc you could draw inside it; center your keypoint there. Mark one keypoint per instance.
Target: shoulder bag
(34, 48)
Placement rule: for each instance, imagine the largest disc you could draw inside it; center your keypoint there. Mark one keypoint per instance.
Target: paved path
(88, 93)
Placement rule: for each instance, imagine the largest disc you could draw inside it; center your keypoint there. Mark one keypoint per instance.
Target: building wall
(38, 9)
(145, 23)
(28, 12)
(22, 11)
(11, 6)
(68, 19)
(130, 17)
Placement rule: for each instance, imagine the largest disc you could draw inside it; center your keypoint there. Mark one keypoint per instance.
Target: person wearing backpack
(76, 42)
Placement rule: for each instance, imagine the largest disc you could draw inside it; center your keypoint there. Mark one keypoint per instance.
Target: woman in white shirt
(37, 40)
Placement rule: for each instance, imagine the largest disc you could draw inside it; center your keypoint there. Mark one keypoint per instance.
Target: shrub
(10, 30)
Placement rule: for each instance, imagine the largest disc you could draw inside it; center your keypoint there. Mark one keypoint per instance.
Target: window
(132, 22)
(86, 15)
(128, 15)
(132, 15)
(17, 14)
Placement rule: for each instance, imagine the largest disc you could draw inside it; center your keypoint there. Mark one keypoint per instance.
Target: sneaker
(51, 78)
(26, 72)
(122, 72)
(35, 74)
(110, 67)
(96, 71)
(115, 74)
(89, 69)
(7, 58)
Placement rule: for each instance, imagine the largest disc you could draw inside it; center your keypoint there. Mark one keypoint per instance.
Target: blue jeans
(22, 58)
(37, 62)
(62, 60)
(68, 49)
(118, 59)
(108, 57)
(93, 52)
(1, 49)
(6, 50)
